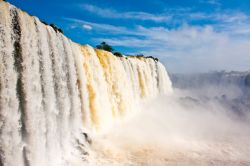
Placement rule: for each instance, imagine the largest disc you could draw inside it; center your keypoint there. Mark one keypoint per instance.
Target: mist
(193, 126)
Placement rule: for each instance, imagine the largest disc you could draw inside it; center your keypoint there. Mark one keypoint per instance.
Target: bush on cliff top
(142, 56)
(105, 46)
(155, 59)
(118, 54)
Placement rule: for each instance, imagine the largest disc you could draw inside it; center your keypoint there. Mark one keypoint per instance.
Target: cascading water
(53, 90)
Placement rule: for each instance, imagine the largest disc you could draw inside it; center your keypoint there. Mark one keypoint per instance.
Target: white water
(52, 90)
(173, 132)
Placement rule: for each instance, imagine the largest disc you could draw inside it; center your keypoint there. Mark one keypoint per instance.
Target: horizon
(186, 36)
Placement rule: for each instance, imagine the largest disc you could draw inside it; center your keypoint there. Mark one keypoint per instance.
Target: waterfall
(53, 90)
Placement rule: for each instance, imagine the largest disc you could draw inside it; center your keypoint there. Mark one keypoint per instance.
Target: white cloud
(107, 28)
(87, 27)
(211, 2)
(230, 17)
(197, 49)
(110, 13)
(169, 15)
(188, 48)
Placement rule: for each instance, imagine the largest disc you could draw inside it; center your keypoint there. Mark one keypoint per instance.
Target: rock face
(52, 90)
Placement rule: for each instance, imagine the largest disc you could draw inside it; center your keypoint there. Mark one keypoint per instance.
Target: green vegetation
(140, 56)
(118, 54)
(105, 46)
(155, 59)
(143, 56)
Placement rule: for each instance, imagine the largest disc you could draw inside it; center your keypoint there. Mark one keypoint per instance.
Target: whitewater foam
(172, 132)
(53, 90)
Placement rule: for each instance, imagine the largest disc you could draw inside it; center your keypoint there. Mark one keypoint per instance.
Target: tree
(118, 54)
(140, 56)
(155, 59)
(105, 46)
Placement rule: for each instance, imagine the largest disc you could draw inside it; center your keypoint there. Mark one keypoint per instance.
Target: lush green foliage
(105, 46)
(155, 59)
(118, 54)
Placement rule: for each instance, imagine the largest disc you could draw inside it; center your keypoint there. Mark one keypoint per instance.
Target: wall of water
(52, 90)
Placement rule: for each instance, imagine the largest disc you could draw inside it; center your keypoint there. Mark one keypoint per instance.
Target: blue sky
(186, 35)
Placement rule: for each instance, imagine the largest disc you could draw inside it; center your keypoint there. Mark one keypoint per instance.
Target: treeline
(107, 47)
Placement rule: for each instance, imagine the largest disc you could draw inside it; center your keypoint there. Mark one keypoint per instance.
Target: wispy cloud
(111, 13)
(222, 17)
(222, 44)
(87, 26)
(169, 15)
(111, 29)
(211, 2)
